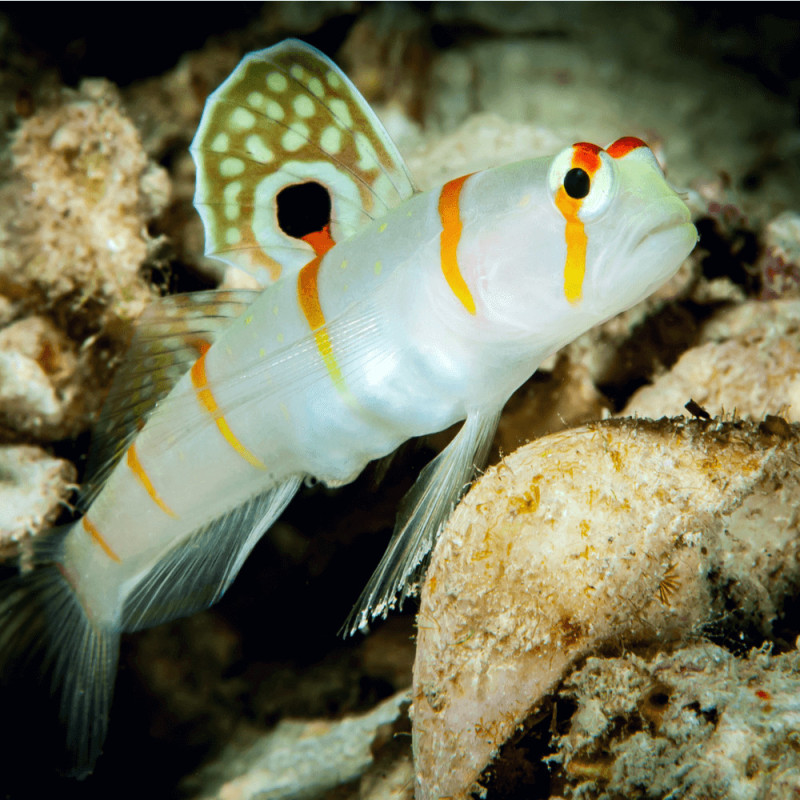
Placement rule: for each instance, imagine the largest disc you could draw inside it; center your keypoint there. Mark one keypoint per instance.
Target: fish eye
(582, 181)
(577, 183)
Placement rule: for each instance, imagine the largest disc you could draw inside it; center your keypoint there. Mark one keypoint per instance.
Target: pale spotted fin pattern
(163, 348)
(288, 115)
(422, 513)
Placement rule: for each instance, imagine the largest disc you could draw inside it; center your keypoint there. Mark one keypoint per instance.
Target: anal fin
(197, 572)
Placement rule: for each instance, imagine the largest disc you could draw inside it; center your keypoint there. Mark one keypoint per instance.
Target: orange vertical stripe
(308, 298)
(575, 235)
(137, 469)
(204, 395)
(95, 534)
(450, 215)
(586, 157)
(308, 293)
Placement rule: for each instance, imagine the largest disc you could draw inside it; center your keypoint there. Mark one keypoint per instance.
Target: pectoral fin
(422, 513)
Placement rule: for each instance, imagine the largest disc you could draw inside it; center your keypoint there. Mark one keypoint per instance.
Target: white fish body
(397, 315)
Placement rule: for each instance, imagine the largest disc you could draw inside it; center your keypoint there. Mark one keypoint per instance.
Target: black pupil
(303, 208)
(576, 183)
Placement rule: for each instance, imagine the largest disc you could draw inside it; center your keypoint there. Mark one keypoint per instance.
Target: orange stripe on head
(308, 298)
(585, 156)
(137, 469)
(450, 214)
(97, 537)
(206, 398)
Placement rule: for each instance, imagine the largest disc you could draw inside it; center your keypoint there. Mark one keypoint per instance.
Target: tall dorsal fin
(287, 116)
(163, 348)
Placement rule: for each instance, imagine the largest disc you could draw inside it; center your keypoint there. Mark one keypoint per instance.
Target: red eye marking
(587, 157)
(624, 146)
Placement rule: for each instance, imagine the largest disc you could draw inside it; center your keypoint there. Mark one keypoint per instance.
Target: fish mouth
(677, 224)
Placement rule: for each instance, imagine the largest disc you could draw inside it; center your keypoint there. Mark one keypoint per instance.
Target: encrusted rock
(697, 723)
(76, 218)
(39, 381)
(624, 532)
(747, 362)
(33, 489)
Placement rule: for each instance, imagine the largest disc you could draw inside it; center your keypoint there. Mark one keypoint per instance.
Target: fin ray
(289, 115)
(422, 513)
(162, 349)
(41, 619)
(197, 572)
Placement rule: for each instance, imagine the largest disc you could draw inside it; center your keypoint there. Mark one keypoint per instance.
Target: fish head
(584, 235)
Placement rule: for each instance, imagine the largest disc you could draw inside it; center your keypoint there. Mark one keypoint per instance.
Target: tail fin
(44, 627)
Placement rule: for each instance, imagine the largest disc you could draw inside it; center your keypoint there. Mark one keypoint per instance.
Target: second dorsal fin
(163, 348)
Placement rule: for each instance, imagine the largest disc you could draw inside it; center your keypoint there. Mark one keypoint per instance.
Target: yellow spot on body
(303, 106)
(248, 320)
(233, 236)
(285, 411)
(242, 119)
(277, 82)
(334, 81)
(96, 536)
(136, 468)
(525, 201)
(382, 228)
(262, 352)
(220, 143)
(340, 110)
(377, 268)
(296, 71)
(229, 350)
(279, 337)
(315, 86)
(331, 139)
(450, 215)
(275, 310)
(231, 211)
(254, 145)
(295, 137)
(231, 167)
(343, 265)
(274, 110)
(256, 99)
